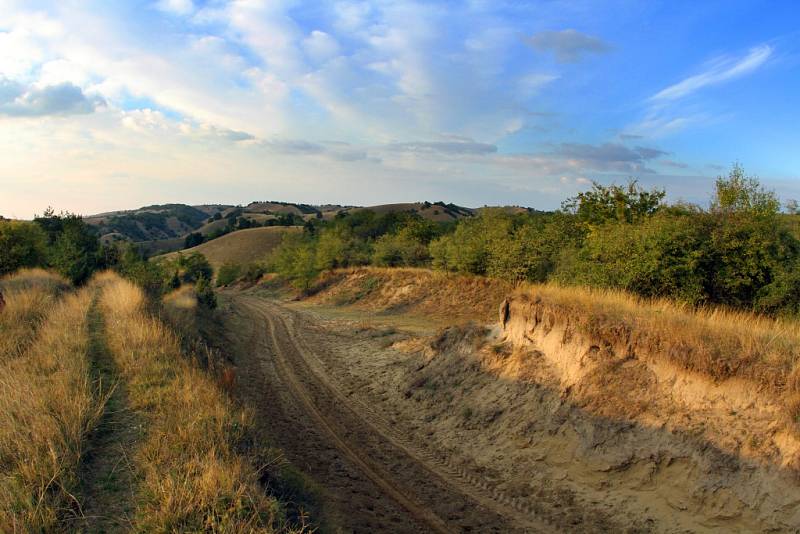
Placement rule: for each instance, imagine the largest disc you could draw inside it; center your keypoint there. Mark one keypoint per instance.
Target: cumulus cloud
(65, 98)
(568, 46)
(719, 71)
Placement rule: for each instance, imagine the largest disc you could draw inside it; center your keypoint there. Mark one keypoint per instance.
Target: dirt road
(373, 479)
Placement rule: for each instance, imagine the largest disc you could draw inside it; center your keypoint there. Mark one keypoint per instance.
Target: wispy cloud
(607, 157)
(720, 71)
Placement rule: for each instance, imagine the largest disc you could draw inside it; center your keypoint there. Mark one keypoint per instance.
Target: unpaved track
(373, 479)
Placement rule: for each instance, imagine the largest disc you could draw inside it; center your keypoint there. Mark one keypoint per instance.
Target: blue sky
(112, 105)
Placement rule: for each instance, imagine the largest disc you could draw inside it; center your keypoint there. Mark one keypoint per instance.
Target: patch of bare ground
(372, 477)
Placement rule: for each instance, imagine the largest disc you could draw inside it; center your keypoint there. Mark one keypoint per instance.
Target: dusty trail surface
(373, 479)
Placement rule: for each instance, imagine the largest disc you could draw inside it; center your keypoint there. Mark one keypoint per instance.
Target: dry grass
(240, 247)
(193, 474)
(48, 405)
(718, 343)
(415, 291)
(28, 295)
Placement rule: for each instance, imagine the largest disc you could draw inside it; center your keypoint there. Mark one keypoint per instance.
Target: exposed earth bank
(470, 421)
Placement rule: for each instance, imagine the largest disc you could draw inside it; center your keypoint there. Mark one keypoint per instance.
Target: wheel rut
(414, 490)
(107, 487)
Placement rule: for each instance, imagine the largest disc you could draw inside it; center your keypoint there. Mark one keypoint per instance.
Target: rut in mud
(372, 480)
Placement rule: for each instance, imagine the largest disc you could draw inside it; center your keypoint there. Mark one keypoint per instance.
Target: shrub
(228, 273)
(73, 246)
(205, 294)
(23, 244)
(193, 239)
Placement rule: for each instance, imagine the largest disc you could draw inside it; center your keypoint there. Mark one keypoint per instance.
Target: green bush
(192, 267)
(295, 260)
(205, 293)
(22, 244)
(73, 247)
(228, 273)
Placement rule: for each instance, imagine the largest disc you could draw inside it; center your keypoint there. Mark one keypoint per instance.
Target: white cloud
(720, 70)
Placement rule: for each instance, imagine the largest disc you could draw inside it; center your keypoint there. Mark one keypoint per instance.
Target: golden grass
(48, 405)
(240, 247)
(716, 342)
(193, 475)
(28, 295)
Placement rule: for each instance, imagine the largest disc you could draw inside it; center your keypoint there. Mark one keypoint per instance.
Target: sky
(114, 105)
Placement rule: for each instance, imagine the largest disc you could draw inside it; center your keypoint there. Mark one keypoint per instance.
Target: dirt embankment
(568, 409)
(445, 297)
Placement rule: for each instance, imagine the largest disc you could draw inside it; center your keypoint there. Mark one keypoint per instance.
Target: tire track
(480, 505)
(480, 489)
(373, 472)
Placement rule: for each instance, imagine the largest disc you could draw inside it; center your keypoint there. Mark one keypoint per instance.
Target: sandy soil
(410, 427)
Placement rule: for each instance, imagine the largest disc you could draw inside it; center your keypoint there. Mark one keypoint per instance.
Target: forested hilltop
(739, 251)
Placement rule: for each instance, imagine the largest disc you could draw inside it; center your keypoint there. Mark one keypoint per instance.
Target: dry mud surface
(406, 430)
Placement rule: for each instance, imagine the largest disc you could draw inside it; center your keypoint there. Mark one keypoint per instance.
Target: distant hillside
(437, 211)
(241, 246)
(163, 228)
(151, 223)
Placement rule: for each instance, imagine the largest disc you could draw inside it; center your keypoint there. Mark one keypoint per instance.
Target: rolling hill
(163, 228)
(240, 247)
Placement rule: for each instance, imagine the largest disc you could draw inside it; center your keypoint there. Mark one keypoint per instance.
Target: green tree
(193, 239)
(628, 203)
(192, 267)
(295, 260)
(73, 245)
(667, 255)
(228, 273)
(22, 244)
(205, 293)
(751, 244)
(743, 195)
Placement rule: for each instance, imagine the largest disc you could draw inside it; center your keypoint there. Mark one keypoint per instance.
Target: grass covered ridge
(48, 405)
(27, 297)
(196, 466)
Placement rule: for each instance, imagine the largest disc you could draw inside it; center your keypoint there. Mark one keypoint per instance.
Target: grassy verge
(27, 296)
(48, 405)
(196, 468)
(203, 336)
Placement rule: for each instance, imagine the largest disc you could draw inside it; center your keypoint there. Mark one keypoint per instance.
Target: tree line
(64, 243)
(739, 251)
